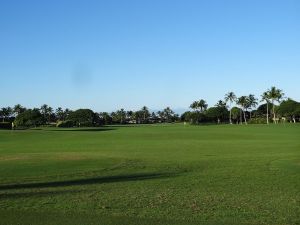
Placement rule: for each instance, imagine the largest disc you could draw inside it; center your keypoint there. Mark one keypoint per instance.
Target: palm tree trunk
(241, 120)
(274, 116)
(267, 113)
(230, 121)
(245, 117)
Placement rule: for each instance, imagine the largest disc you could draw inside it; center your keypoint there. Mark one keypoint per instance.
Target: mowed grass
(155, 174)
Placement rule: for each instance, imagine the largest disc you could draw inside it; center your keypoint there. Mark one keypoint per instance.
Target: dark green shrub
(5, 125)
(258, 120)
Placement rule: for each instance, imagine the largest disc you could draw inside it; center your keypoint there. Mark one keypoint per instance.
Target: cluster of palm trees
(271, 96)
(245, 102)
(240, 108)
(7, 112)
(200, 105)
(141, 116)
(249, 102)
(47, 112)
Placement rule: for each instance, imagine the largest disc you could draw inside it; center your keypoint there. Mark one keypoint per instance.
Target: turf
(155, 174)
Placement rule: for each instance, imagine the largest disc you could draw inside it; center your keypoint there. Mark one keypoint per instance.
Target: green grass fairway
(160, 174)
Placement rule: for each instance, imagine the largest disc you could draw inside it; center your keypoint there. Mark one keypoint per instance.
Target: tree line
(232, 109)
(20, 116)
(243, 109)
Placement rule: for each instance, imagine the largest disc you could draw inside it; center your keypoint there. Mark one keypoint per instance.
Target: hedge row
(5, 125)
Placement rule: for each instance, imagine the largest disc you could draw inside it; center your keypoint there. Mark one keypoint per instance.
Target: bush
(5, 125)
(67, 123)
(258, 120)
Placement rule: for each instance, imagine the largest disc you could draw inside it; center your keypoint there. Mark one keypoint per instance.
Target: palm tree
(146, 113)
(194, 105)
(220, 104)
(275, 95)
(266, 97)
(121, 114)
(252, 102)
(230, 97)
(6, 112)
(202, 105)
(67, 113)
(243, 101)
(59, 113)
(168, 113)
(49, 113)
(18, 109)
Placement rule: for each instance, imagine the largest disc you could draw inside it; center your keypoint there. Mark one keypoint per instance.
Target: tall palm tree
(146, 113)
(18, 109)
(243, 101)
(122, 114)
(220, 104)
(194, 105)
(168, 112)
(6, 112)
(59, 113)
(266, 97)
(252, 102)
(230, 97)
(275, 95)
(202, 105)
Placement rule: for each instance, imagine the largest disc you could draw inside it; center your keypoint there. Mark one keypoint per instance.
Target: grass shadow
(87, 181)
(35, 194)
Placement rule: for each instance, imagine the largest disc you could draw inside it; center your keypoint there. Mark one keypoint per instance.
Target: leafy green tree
(217, 113)
(83, 117)
(289, 108)
(231, 98)
(28, 118)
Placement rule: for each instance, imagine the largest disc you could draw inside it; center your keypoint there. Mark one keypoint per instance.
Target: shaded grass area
(151, 175)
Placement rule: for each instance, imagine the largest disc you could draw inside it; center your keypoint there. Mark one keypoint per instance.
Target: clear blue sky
(106, 55)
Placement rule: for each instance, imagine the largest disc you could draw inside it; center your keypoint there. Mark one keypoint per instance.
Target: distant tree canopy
(233, 109)
(289, 108)
(29, 118)
(83, 117)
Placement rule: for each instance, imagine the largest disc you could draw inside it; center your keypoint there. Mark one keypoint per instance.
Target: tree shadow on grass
(35, 194)
(88, 181)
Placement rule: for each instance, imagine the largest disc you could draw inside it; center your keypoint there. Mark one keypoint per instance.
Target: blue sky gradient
(107, 55)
